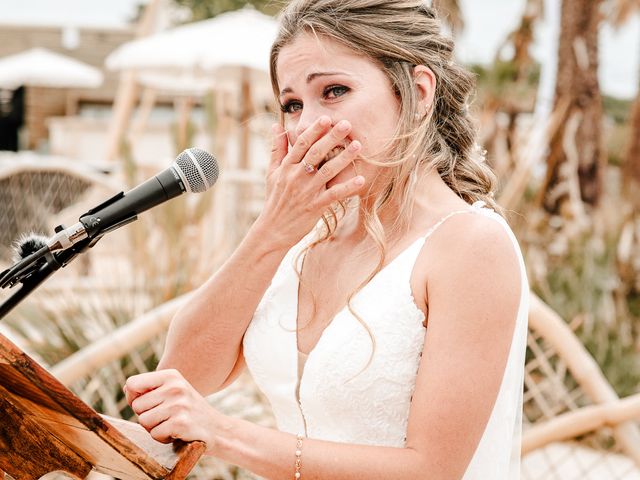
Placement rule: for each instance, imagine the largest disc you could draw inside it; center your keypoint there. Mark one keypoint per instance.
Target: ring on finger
(308, 167)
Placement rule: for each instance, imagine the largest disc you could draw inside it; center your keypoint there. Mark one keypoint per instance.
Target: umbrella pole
(244, 190)
(71, 108)
(147, 103)
(184, 106)
(122, 108)
(223, 222)
(127, 89)
(245, 116)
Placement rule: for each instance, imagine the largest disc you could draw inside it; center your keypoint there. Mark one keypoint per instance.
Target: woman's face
(318, 76)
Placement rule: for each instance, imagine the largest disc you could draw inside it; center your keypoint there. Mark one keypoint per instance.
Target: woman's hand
(169, 408)
(295, 198)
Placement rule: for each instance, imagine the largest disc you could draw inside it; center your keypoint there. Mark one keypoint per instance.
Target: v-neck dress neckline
(406, 250)
(411, 247)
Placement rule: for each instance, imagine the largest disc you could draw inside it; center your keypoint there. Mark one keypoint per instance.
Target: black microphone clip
(93, 224)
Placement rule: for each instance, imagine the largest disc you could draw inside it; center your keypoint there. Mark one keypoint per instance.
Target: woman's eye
(291, 107)
(335, 91)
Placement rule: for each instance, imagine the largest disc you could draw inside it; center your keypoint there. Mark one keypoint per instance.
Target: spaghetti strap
(477, 206)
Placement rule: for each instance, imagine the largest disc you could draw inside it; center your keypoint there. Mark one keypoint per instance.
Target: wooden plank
(31, 376)
(180, 457)
(14, 382)
(27, 452)
(116, 447)
(189, 454)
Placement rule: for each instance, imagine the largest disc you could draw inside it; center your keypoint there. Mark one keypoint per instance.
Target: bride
(379, 300)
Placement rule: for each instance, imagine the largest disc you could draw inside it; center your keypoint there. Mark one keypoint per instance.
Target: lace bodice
(341, 400)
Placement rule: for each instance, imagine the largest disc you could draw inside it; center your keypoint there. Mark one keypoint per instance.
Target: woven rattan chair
(576, 427)
(35, 190)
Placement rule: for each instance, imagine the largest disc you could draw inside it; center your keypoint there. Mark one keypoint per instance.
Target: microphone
(194, 170)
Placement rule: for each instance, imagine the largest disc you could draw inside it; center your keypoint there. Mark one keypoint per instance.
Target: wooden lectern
(45, 428)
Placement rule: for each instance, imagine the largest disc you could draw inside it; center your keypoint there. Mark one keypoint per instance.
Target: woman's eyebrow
(311, 77)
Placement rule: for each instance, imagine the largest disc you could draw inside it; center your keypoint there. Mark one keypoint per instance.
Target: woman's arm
(205, 336)
(474, 293)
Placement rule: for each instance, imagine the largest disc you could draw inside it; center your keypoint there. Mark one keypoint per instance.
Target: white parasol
(240, 38)
(39, 67)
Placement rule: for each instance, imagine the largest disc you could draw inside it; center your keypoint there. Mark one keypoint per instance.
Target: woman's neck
(432, 199)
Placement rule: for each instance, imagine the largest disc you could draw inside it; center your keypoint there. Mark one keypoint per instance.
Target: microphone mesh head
(198, 169)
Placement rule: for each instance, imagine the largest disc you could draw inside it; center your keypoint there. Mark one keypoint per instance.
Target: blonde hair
(397, 36)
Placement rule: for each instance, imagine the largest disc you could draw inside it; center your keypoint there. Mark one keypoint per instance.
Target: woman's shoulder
(472, 265)
(477, 228)
(473, 244)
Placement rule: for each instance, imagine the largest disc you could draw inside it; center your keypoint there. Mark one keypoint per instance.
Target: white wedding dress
(333, 397)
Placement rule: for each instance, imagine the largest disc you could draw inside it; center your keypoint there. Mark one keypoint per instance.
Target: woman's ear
(425, 81)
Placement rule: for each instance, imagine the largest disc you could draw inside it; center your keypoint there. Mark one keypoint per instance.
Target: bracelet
(299, 438)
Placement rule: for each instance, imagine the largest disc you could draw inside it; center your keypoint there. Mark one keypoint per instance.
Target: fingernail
(354, 146)
(359, 180)
(343, 125)
(324, 121)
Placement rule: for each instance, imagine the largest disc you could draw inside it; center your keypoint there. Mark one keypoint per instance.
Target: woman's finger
(307, 139)
(334, 138)
(147, 401)
(152, 418)
(137, 385)
(163, 432)
(338, 163)
(340, 191)
(279, 146)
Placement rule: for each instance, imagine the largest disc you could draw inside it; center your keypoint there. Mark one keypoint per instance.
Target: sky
(487, 24)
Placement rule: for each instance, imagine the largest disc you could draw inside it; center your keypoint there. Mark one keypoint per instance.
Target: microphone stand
(32, 271)
(37, 271)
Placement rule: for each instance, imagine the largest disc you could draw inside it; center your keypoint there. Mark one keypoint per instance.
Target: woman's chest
(327, 288)
(365, 354)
